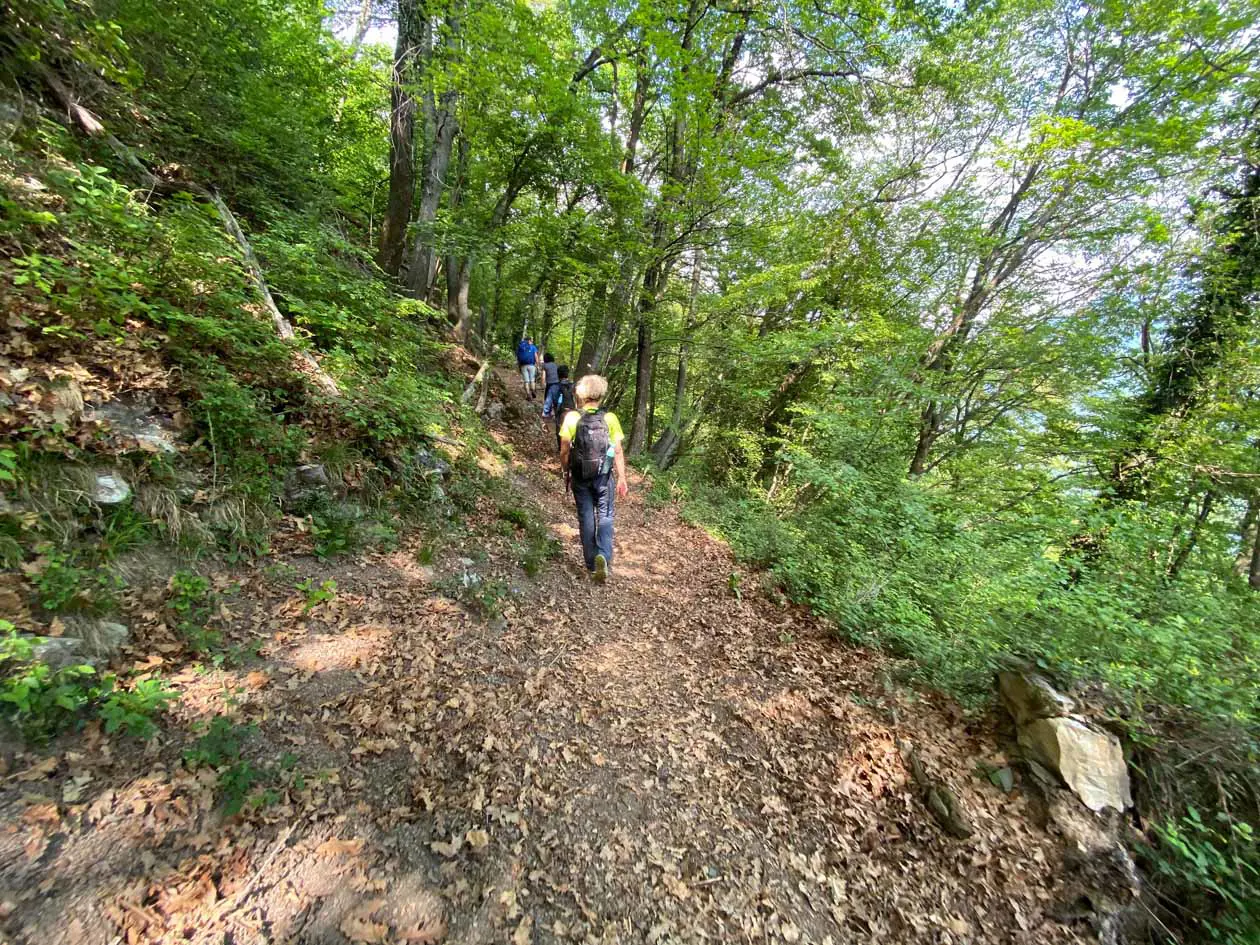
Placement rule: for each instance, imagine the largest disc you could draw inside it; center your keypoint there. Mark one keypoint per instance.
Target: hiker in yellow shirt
(590, 451)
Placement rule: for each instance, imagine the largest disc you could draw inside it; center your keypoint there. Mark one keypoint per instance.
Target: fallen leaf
(337, 847)
(39, 771)
(477, 840)
(359, 927)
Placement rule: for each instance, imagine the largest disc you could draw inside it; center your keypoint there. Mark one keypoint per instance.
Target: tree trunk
(592, 328)
(651, 410)
(1248, 529)
(548, 318)
(422, 268)
(1183, 553)
(457, 271)
(402, 134)
(1253, 573)
(668, 441)
(361, 23)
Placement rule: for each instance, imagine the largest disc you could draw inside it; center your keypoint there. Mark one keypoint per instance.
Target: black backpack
(566, 396)
(588, 457)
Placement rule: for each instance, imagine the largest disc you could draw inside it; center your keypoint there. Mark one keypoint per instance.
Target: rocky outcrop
(1028, 696)
(1089, 761)
(89, 640)
(305, 486)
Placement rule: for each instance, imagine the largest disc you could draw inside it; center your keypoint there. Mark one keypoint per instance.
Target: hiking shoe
(600, 574)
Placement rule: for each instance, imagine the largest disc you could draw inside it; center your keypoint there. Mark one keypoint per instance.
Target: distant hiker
(590, 451)
(527, 361)
(550, 373)
(559, 400)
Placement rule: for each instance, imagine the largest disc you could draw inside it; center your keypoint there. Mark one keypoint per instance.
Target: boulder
(137, 419)
(60, 652)
(434, 464)
(99, 639)
(109, 488)
(1090, 762)
(1028, 696)
(305, 485)
(495, 411)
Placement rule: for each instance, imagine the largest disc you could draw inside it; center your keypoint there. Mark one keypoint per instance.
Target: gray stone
(435, 464)
(304, 486)
(60, 652)
(109, 488)
(100, 639)
(495, 411)
(137, 419)
(1028, 696)
(1090, 762)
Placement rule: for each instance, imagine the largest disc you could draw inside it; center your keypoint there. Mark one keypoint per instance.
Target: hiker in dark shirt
(550, 373)
(559, 400)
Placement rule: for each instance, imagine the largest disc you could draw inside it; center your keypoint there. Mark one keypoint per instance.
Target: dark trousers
(594, 500)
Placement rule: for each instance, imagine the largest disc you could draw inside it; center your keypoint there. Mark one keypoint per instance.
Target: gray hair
(591, 389)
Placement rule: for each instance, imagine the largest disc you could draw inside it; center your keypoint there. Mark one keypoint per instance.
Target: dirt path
(652, 761)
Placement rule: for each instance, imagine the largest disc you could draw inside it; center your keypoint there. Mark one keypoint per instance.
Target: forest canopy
(944, 315)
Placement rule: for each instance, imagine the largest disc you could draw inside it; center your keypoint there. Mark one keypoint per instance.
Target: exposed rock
(495, 411)
(1028, 696)
(305, 485)
(109, 488)
(100, 639)
(136, 421)
(1090, 762)
(1104, 886)
(60, 652)
(434, 464)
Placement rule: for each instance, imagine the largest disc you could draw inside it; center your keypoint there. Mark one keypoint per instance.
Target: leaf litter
(657, 760)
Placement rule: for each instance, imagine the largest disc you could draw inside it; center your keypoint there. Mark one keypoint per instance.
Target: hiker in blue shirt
(527, 361)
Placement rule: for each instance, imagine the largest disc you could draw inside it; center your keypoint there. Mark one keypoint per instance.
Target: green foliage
(317, 594)
(221, 746)
(221, 743)
(1216, 869)
(131, 711)
(41, 701)
(63, 583)
(192, 604)
(486, 597)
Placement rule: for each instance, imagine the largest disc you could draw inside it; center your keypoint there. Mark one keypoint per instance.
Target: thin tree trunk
(1183, 553)
(361, 23)
(651, 410)
(1248, 530)
(422, 268)
(457, 271)
(668, 441)
(642, 381)
(592, 328)
(1253, 573)
(402, 133)
(548, 316)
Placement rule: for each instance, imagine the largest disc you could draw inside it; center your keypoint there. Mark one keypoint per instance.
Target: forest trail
(657, 760)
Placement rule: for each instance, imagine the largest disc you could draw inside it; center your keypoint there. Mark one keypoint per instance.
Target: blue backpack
(525, 352)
